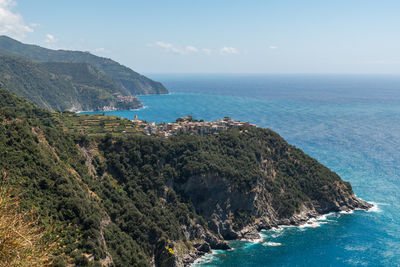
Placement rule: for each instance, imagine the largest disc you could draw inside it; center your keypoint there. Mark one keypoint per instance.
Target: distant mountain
(62, 85)
(131, 81)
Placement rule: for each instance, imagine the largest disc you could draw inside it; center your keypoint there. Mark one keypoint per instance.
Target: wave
(272, 244)
(346, 212)
(359, 248)
(255, 241)
(375, 207)
(277, 231)
(312, 223)
(324, 217)
(209, 257)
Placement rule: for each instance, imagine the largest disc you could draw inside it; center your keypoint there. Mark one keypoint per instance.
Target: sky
(217, 36)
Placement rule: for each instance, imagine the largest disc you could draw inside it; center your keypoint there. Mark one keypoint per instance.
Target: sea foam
(272, 244)
(375, 207)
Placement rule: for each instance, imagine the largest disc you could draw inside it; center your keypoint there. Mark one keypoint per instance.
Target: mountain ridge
(132, 81)
(61, 85)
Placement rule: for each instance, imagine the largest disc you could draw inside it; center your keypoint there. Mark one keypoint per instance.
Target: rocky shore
(287, 187)
(251, 232)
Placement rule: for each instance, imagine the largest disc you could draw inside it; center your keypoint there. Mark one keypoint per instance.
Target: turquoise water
(349, 123)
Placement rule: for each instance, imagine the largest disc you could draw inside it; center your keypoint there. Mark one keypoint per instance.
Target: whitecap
(272, 244)
(272, 233)
(207, 257)
(346, 212)
(264, 234)
(283, 227)
(253, 241)
(312, 224)
(276, 235)
(324, 217)
(276, 229)
(350, 248)
(375, 207)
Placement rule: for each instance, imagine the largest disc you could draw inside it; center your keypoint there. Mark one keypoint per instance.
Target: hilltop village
(188, 125)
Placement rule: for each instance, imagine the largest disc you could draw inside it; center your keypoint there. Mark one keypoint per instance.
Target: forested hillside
(133, 82)
(135, 200)
(62, 86)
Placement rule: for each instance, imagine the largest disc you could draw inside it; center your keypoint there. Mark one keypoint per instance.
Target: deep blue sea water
(349, 123)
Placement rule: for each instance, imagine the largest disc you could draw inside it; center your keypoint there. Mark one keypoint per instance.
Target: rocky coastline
(287, 188)
(251, 233)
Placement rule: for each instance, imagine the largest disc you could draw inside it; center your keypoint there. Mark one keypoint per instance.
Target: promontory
(110, 195)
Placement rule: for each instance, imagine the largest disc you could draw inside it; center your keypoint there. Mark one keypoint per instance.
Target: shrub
(22, 241)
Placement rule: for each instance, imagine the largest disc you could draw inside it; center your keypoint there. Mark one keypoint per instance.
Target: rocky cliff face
(222, 206)
(219, 204)
(233, 212)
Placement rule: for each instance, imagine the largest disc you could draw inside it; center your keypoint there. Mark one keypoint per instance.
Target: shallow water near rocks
(349, 123)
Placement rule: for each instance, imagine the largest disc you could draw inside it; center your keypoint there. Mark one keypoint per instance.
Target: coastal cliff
(126, 199)
(280, 185)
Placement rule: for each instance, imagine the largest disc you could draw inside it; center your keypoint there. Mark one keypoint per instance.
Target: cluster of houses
(187, 125)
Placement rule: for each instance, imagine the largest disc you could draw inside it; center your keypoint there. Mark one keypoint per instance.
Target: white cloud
(272, 47)
(50, 39)
(175, 49)
(168, 47)
(12, 23)
(228, 50)
(190, 49)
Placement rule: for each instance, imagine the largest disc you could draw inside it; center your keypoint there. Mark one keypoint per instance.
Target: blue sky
(297, 36)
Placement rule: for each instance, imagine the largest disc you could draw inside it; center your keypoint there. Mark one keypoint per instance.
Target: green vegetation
(98, 125)
(47, 165)
(132, 82)
(44, 163)
(22, 241)
(122, 196)
(60, 86)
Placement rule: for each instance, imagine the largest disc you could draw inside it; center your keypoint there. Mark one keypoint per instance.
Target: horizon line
(265, 73)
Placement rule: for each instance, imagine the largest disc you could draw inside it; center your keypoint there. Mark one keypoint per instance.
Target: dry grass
(22, 240)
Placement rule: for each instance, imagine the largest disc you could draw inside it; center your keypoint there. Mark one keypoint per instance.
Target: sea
(350, 123)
